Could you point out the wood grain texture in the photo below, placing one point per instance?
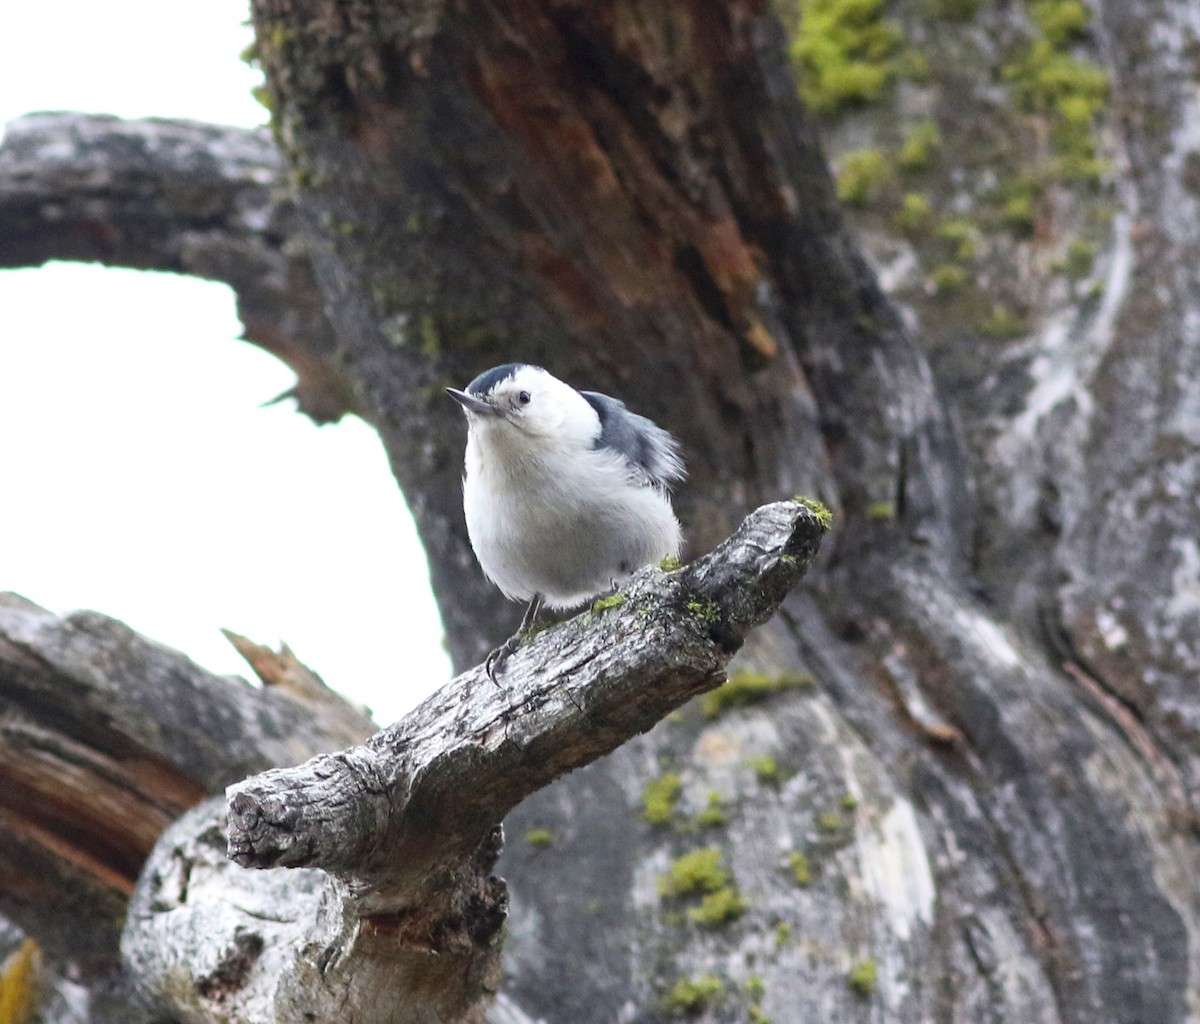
(409, 926)
(177, 196)
(105, 739)
(1003, 627)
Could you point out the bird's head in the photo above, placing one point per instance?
(523, 405)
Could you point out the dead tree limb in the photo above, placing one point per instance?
(105, 738)
(407, 825)
(176, 196)
(571, 696)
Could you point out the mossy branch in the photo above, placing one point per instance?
(421, 795)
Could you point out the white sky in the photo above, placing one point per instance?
(138, 474)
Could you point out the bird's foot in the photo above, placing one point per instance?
(499, 655)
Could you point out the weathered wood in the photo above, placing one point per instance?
(177, 196)
(408, 825)
(423, 793)
(105, 739)
(1004, 631)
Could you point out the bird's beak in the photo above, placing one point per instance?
(472, 404)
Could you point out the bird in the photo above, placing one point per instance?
(566, 493)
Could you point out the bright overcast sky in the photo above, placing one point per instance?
(138, 474)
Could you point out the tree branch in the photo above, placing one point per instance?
(177, 196)
(429, 788)
(105, 738)
(407, 824)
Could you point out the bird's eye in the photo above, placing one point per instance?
(523, 397)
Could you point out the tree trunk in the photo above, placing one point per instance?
(986, 809)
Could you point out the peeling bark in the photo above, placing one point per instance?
(409, 927)
(106, 739)
(1003, 627)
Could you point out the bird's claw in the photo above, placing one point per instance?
(499, 656)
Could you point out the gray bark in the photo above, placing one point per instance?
(108, 737)
(408, 927)
(176, 196)
(1004, 629)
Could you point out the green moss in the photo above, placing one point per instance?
(539, 837)
(851, 82)
(962, 235)
(250, 55)
(800, 869)
(274, 38)
(824, 516)
(881, 510)
(948, 278)
(765, 769)
(1059, 20)
(697, 872)
(1003, 324)
(690, 997)
(1018, 215)
(1080, 257)
(603, 604)
(669, 564)
(783, 934)
(1030, 187)
(922, 140)
(539, 625)
(391, 300)
(842, 52)
(262, 96)
(864, 977)
(659, 796)
(915, 213)
(754, 988)
(749, 687)
(718, 908)
(1080, 168)
(713, 814)
(1076, 110)
(756, 1014)
(913, 65)
(849, 802)
(860, 175)
(955, 10)
(830, 821)
(1048, 80)
(705, 610)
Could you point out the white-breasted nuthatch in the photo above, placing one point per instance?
(565, 491)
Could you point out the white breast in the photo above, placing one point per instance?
(565, 525)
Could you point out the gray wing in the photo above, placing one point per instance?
(652, 453)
